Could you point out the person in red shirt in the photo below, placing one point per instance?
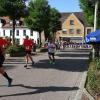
(2, 59)
(28, 44)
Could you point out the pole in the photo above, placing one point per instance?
(95, 24)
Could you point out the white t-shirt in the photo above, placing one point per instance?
(51, 47)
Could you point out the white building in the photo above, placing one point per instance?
(20, 30)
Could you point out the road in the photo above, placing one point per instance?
(45, 81)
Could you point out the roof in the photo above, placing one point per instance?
(79, 15)
(64, 16)
(7, 22)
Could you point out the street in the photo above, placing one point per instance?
(45, 81)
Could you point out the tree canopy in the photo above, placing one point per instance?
(88, 7)
(15, 9)
(55, 23)
(42, 17)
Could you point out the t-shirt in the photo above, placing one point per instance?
(51, 47)
(28, 44)
(3, 44)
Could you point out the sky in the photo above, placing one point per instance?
(65, 5)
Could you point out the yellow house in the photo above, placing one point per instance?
(74, 27)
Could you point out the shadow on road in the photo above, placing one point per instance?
(73, 65)
(40, 90)
(72, 55)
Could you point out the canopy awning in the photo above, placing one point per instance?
(93, 37)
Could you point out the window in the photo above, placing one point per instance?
(17, 32)
(78, 31)
(17, 41)
(31, 34)
(88, 31)
(3, 32)
(71, 22)
(24, 32)
(10, 32)
(64, 31)
(71, 31)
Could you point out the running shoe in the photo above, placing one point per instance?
(53, 62)
(9, 82)
(25, 66)
(33, 63)
(50, 62)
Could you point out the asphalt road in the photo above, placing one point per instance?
(45, 81)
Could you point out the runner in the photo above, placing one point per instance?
(28, 43)
(51, 51)
(3, 44)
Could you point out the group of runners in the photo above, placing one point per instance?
(28, 45)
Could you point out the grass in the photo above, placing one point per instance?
(93, 77)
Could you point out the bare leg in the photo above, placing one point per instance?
(53, 58)
(50, 59)
(31, 59)
(26, 59)
(6, 76)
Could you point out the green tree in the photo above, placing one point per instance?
(55, 23)
(15, 9)
(38, 18)
(88, 7)
(43, 18)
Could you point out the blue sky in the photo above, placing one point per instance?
(65, 5)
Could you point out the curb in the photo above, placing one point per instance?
(82, 90)
(81, 87)
(87, 94)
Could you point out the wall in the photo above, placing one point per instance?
(21, 37)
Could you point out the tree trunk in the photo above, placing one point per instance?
(13, 35)
(40, 43)
(96, 50)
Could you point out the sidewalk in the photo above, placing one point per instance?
(44, 81)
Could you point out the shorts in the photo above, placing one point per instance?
(51, 53)
(28, 52)
(2, 59)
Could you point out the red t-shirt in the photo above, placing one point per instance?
(28, 44)
(3, 44)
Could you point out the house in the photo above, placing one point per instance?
(21, 30)
(74, 27)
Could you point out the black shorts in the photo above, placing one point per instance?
(28, 52)
(2, 59)
(52, 54)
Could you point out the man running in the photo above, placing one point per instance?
(2, 58)
(51, 51)
(28, 43)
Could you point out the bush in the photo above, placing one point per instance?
(43, 50)
(15, 50)
(97, 61)
(93, 77)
